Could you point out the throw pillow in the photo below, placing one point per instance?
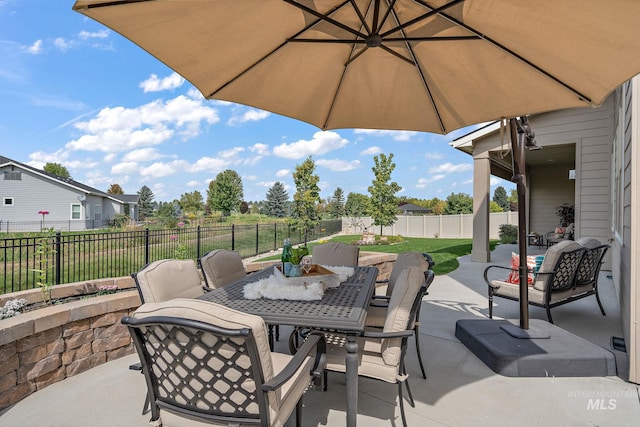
(514, 276)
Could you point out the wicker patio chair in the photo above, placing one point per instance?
(207, 363)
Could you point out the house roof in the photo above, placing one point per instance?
(410, 207)
(68, 182)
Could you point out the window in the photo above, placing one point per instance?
(7, 201)
(12, 175)
(97, 212)
(76, 209)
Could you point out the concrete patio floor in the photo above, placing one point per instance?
(460, 389)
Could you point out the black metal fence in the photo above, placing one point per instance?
(77, 257)
(36, 226)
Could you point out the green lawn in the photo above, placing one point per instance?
(445, 252)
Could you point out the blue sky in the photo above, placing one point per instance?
(76, 93)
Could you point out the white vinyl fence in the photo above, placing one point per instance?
(433, 226)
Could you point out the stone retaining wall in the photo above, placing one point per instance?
(43, 346)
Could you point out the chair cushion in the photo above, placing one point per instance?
(214, 314)
(550, 259)
(370, 361)
(336, 254)
(169, 278)
(511, 290)
(405, 259)
(221, 267)
(588, 242)
(399, 311)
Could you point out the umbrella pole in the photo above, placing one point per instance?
(517, 150)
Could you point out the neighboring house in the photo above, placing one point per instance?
(25, 191)
(411, 209)
(591, 158)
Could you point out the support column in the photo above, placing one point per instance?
(481, 197)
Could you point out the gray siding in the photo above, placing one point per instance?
(32, 194)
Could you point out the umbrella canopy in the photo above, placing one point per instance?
(425, 65)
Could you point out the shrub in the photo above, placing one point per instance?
(508, 233)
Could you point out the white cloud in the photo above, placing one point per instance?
(248, 116)
(193, 184)
(397, 135)
(433, 156)
(283, 172)
(450, 167)
(250, 177)
(123, 129)
(142, 155)
(160, 169)
(259, 148)
(125, 168)
(86, 35)
(421, 183)
(209, 164)
(322, 143)
(338, 165)
(154, 84)
(493, 181)
(35, 48)
(371, 151)
(61, 44)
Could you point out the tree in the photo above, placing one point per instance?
(336, 205)
(225, 192)
(244, 207)
(495, 207)
(437, 206)
(500, 197)
(357, 205)
(169, 212)
(513, 200)
(306, 197)
(145, 202)
(115, 189)
(57, 169)
(459, 203)
(383, 204)
(277, 203)
(192, 203)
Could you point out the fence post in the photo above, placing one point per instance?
(275, 235)
(233, 237)
(198, 248)
(257, 238)
(58, 263)
(146, 246)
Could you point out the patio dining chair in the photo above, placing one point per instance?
(205, 363)
(335, 254)
(221, 267)
(381, 354)
(378, 310)
(164, 280)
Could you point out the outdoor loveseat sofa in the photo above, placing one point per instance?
(569, 272)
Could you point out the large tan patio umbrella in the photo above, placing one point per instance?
(423, 65)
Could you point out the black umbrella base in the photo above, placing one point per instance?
(544, 350)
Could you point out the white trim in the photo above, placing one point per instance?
(466, 141)
(79, 212)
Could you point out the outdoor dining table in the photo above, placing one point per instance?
(342, 309)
